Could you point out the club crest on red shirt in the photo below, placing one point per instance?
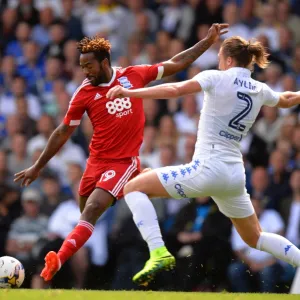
(125, 82)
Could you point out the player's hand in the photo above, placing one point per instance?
(117, 92)
(27, 176)
(216, 30)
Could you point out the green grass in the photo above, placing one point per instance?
(107, 295)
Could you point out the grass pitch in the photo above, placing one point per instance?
(110, 295)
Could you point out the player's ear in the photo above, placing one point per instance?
(105, 63)
(229, 61)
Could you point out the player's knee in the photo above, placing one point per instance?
(130, 187)
(94, 207)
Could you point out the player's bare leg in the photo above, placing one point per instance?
(250, 231)
(96, 205)
(82, 202)
(137, 193)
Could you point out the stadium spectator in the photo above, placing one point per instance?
(12, 126)
(108, 19)
(260, 184)
(18, 90)
(27, 124)
(187, 118)
(279, 179)
(177, 19)
(7, 74)
(136, 9)
(268, 127)
(26, 231)
(32, 68)
(52, 193)
(264, 267)
(71, 57)
(57, 41)
(53, 72)
(45, 127)
(7, 28)
(40, 32)
(231, 15)
(9, 208)
(5, 175)
(209, 59)
(15, 48)
(27, 12)
(72, 23)
(18, 158)
(287, 18)
(267, 26)
(200, 239)
(293, 203)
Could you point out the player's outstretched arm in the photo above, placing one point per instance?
(163, 91)
(289, 99)
(57, 139)
(184, 59)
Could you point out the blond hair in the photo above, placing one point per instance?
(246, 53)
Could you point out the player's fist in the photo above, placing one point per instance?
(27, 176)
(216, 30)
(117, 92)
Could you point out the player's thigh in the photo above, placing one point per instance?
(148, 183)
(248, 228)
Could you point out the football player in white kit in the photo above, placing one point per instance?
(232, 101)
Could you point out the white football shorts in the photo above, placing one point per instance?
(223, 181)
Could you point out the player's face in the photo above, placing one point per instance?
(92, 68)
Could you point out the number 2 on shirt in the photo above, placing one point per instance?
(235, 122)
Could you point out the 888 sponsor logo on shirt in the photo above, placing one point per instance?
(119, 107)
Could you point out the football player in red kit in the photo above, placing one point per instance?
(118, 133)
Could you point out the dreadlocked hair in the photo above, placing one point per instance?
(97, 45)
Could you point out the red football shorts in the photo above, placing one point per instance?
(109, 175)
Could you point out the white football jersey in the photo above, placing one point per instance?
(232, 101)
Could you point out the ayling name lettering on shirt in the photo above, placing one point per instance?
(244, 83)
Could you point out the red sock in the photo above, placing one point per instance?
(75, 240)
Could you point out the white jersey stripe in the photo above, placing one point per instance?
(125, 177)
(125, 180)
(74, 122)
(160, 72)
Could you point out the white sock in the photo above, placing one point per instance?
(280, 247)
(145, 218)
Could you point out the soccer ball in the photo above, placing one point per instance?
(12, 272)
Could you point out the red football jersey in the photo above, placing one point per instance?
(119, 123)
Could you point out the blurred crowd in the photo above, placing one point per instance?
(40, 71)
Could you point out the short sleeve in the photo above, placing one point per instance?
(76, 109)
(270, 98)
(150, 72)
(208, 79)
